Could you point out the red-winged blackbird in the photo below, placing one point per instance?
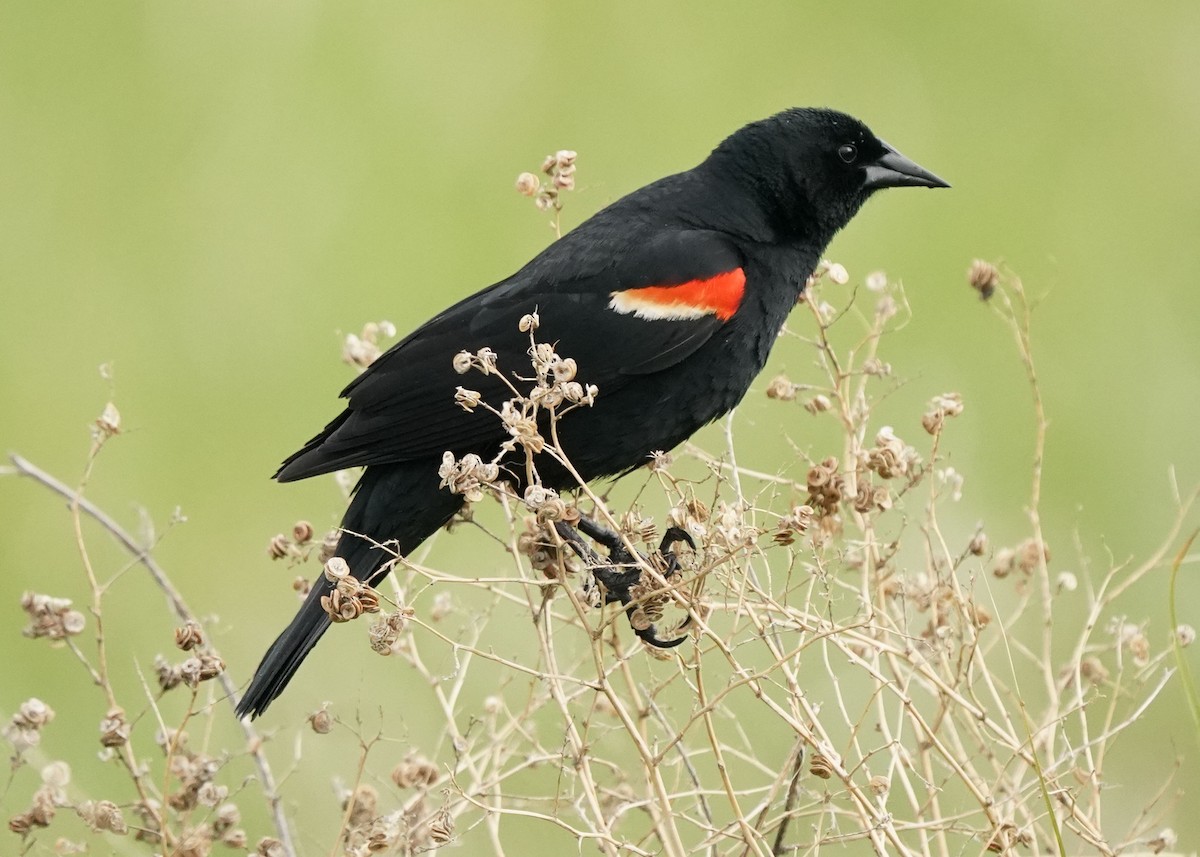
(668, 300)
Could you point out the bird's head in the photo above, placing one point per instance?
(812, 169)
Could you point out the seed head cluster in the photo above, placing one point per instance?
(47, 800)
(525, 416)
(24, 728)
(350, 597)
(983, 277)
(559, 170)
(51, 617)
(363, 349)
(203, 664)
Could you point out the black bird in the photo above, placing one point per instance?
(669, 301)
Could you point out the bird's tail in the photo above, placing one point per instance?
(397, 503)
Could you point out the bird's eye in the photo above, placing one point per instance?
(848, 153)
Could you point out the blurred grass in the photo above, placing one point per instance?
(205, 194)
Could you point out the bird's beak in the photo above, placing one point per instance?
(892, 169)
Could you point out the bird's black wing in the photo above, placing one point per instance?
(637, 312)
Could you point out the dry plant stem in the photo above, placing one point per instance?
(793, 794)
(752, 837)
(724, 466)
(660, 810)
(581, 835)
(448, 702)
(1020, 320)
(877, 824)
(364, 750)
(912, 699)
(852, 409)
(172, 739)
(607, 842)
(79, 504)
(580, 756)
(961, 763)
(693, 774)
(100, 673)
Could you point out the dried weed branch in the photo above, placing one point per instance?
(860, 671)
(114, 729)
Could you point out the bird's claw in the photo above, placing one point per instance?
(620, 570)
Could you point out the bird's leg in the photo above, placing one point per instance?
(620, 572)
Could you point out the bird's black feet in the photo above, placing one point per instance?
(620, 574)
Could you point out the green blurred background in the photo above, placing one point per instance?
(205, 195)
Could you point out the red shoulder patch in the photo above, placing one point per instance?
(720, 295)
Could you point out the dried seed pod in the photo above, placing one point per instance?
(169, 675)
(109, 421)
(697, 509)
(226, 817)
(820, 766)
(818, 477)
(1166, 838)
(528, 184)
(328, 545)
(279, 546)
(564, 370)
(781, 388)
(983, 278)
(817, 404)
(1092, 670)
(1030, 554)
(189, 636)
(268, 846)
(102, 815)
(321, 720)
(384, 633)
(443, 606)
(415, 771)
(468, 400)
(1139, 647)
(235, 838)
(114, 729)
(362, 803)
(189, 671)
(211, 666)
(1004, 562)
(73, 623)
(442, 829)
(876, 367)
(336, 569)
(210, 794)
